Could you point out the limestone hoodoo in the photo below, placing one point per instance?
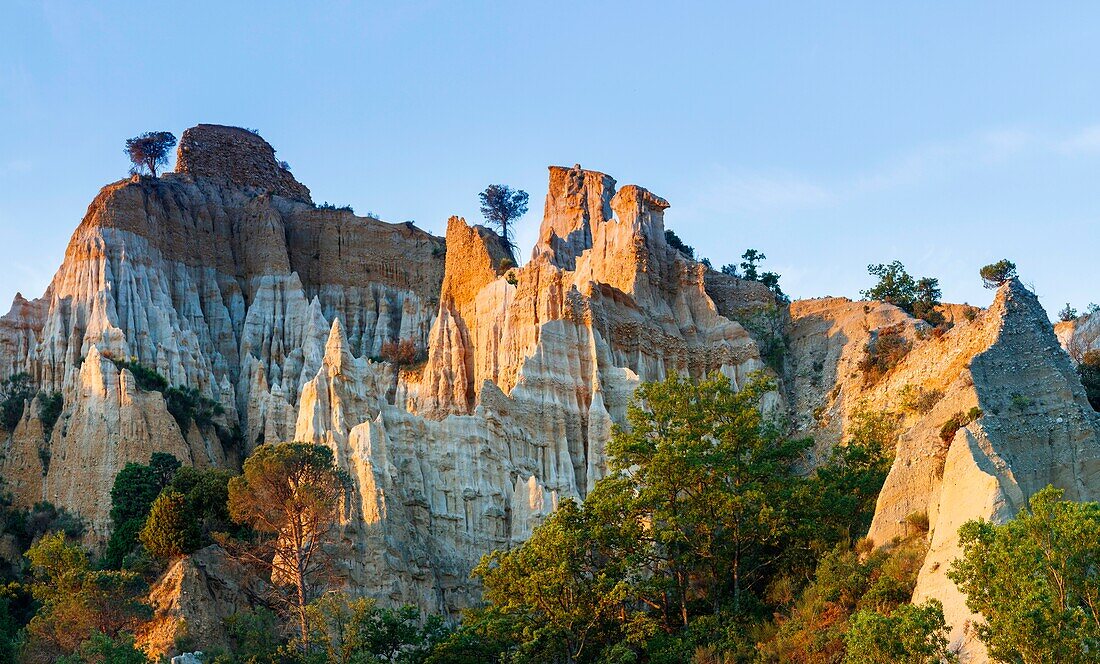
(225, 278)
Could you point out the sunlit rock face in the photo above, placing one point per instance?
(1036, 427)
(223, 277)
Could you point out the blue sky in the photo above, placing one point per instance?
(828, 135)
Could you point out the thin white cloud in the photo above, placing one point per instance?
(770, 193)
(1084, 141)
(16, 166)
(758, 193)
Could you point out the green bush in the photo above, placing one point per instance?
(888, 348)
(918, 400)
(995, 274)
(911, 634)
(673, 240)
(187, 404)
(1089, 371)
(49, 409)
(170, 530)
(15, 391)
(147, 378)
(958, 421)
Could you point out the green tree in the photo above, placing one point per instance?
(1089, 370)
(355, 631)
(709, 479)
(136, 487)
(749, 261)
(1036, 581)
(995, 274)
(501, 205)
(15, 391)
(911, 634)
(895, 285)
(928, 296)
(75, 601)
(149, 151)
(103, 649)
(206, 493)
(290, 495)
(563, 593)
(170, 530)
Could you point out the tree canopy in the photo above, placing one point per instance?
(703, 510)
(995, 274)
(149, 151)
(290, 495)
(1036, 581)
(501, 205)
(895, 285)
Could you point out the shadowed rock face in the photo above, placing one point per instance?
(223, 277)
(237, 155)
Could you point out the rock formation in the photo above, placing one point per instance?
(224, 277)
(1033, 426)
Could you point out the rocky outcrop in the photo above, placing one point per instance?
(223, 277)
(239, 156)
(191, 601)
(1032, 425)
(227, 289)
(1079, 336)
(527, 370)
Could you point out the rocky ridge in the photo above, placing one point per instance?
(224, 277)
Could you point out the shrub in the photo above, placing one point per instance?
(918, 520)
(918, 400)
(1089, 370)
(1067, 314)
(186, 404)
(42, 519)
(169, 531)
(343, 208)
(958, 421)
(910, 634)
(400, 353)
(147, 378)
(15, 391)
(765, 326)
(673, 240)
(995, 274)
(49, 409)
(883, 352)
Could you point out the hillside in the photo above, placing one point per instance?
(226, 278)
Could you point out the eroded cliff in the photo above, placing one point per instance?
(224, 277)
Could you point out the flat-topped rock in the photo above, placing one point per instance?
(238, 155)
